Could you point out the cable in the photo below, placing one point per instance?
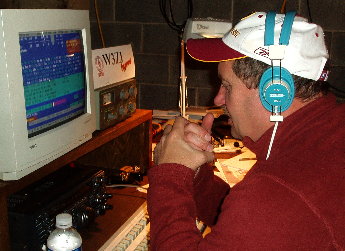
(309, 12)
(99, 23)
(275, 117)
(125, 185)
(129, 195)
(168, 14)
(283, 8)
(272, 139)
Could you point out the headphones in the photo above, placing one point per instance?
(276, 85)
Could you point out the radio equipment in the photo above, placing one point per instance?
(115, 103)
(114, 83)
(78, 190)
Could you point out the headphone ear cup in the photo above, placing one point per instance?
(276, 88)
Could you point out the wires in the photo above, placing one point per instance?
(309, 12)
(167, 12)
(139, 188)
(126, 185)
(283, 8)
(99, 23)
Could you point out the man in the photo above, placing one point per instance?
(294, 196)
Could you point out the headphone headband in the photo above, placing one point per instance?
(286, 28)
(269, 28)
(276, 85)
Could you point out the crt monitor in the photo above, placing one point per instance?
(46, 102)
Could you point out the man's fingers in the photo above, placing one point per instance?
(179, 125)
(198, 142)
(198, 131)
(197, 136)
(167, 129)
(174, 148)
(207, 122)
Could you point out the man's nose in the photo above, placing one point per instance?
(219, 100)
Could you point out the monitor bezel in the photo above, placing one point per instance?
(28, 154)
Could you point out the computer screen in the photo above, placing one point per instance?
(46, 87)
(53, 78)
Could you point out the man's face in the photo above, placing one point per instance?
(242, 104)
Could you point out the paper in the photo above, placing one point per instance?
(112, 65)
(233, 170)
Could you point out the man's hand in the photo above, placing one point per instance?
(199, 137)
(174, 149)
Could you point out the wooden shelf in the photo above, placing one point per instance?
(99, 138)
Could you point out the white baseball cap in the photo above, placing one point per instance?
(305, 54)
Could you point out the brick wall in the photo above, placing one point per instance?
(156, 45)
(157, 49)
(44, 4)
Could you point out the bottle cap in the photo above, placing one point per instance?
(64, 220)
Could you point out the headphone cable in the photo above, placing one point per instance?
(276, 117)
(272, 139)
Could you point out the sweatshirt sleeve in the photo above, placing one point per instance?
(209, 193)
(254, 215)
(182, 196)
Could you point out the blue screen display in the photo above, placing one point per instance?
(53, 73)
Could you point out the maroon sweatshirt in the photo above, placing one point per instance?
(295, 200)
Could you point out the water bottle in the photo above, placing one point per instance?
(64, 237)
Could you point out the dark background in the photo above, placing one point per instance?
(157, 49)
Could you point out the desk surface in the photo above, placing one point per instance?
(99, 139)
(125, 202)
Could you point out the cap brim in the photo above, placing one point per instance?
(211, 50)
